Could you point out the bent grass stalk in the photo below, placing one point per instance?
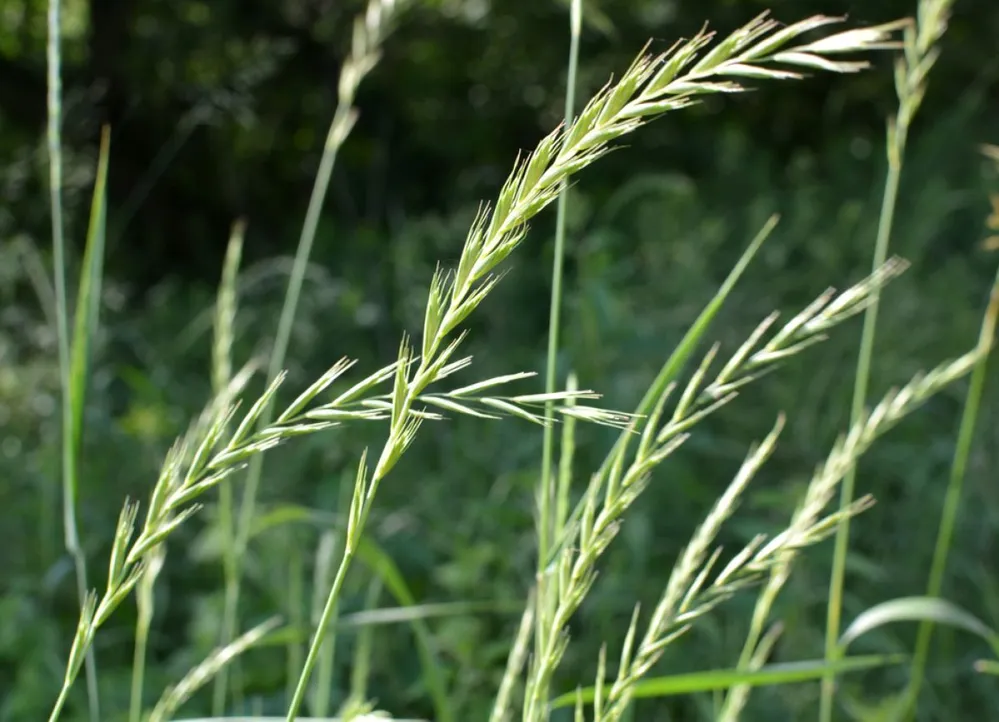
(911, 70)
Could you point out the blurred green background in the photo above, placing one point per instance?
(219, 110)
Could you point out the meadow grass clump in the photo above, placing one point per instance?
(417, 389)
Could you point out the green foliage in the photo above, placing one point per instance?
(447, 535)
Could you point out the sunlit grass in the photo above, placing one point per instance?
(417, 391)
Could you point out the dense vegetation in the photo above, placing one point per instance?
(218, 112)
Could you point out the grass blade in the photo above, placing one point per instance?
(85, 324)
(547, 521)
(918, 609)
(677, 360)
(692, 339)
(721, 679)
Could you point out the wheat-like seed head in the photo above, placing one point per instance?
(688, 594)
(618, 484)
(652, 86)
(370, 32)
(209, 453)
(920, 53)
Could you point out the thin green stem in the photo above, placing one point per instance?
(329, 611)
(546, 522)
(144, 599)
(294, 651)
(225, 321)
(231, 575)
(325, 554)
(288, 312)
(361, 503)
(952, 500)
(59, 703)
(555, 304)
(910, 84)
(369, 31)
(337, 134)
(69, 424)
(860, 389)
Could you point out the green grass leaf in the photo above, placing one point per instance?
(919, 609)
(671, 370)
(721, 679)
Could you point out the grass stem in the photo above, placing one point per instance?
(911, 70)
(952, 499)
(547, 524)
(365, 50)
(858, 405)
(70, 424)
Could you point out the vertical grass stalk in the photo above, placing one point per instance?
(72, 374)
(145, 607)
(910, 84)
(547, 523)
(294, 650)
(369, 32)
(858, 403)
(325, 559)
(952, 499)
(225, 321)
